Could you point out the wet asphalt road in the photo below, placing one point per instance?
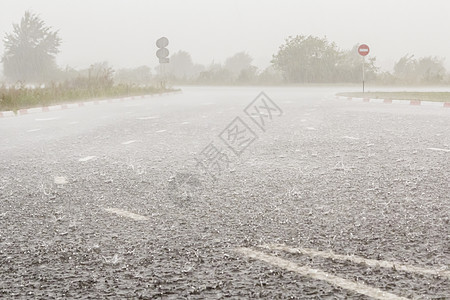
(109, 201)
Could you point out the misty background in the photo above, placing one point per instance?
(123, 33)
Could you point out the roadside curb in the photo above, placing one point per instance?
(64, 106)
(396, 101)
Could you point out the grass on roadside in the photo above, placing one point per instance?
(424, 96)
(22, 97)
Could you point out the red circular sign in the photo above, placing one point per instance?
(363, 50)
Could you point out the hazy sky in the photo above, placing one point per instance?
(123, 32)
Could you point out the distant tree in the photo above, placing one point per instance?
(97, 77)
(101, 75)
(431, 69)
(423, 70)
(238, 62)
(181, 68)
(248, 75)
(197, 69)
(30, 50)
(307, 59)
(386, 78)
(139, 75)
(405, 69)
(215, 74)
(270, 75)
(241, 69)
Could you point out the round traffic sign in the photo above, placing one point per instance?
(363, 50)
(162, 53)
(162, 42)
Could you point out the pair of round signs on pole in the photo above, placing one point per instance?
(162, 53)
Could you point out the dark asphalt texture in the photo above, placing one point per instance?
(353, 178)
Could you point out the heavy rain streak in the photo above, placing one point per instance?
(224, 149)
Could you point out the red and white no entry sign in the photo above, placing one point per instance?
(363, 50)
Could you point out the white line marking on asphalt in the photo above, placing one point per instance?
(361, 260)
(399, 101)
(86, 158)
(73, 123)
(431, 103)
(60, 180)
(185, 123)
(124, 213)
(35, 110)
(147, 118)
(47, 119)
(439, 149)
(320, 275)
(350, 137)
(159, 131)
(128, 142)
(310, 128)
(33, 130)
(258, 116)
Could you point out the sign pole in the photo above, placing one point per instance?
(363, 50)
(161, 74)
(364, 63)
(163, 71)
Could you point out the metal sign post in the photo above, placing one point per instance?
(364, 72)
(363, 50)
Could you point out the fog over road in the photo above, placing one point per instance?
(109, 200)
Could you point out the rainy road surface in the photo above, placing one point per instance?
(187, 196)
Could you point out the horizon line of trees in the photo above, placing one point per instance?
(31, 48)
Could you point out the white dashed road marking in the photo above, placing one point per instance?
(310, 128)
(47, 119)
(73, 123)
(60, 180)
(159, 131)
(147, 118)
(361, 260)
(319, 275)
(33, 130)
(86, 158)
(127, 214)
(439, 149)
(350, 137)
(128, 142)
(185, 123)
